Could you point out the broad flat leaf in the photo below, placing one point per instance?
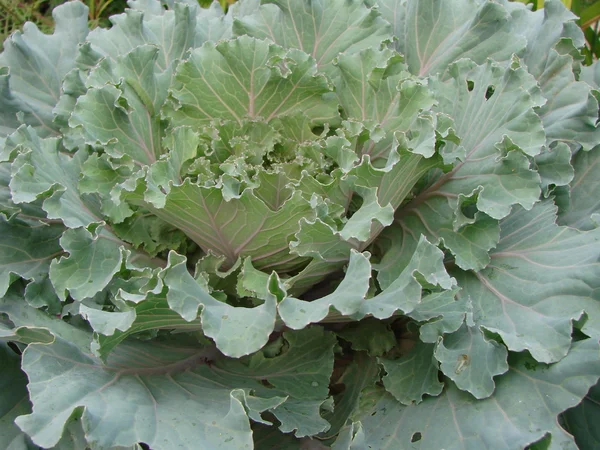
(584, 199)
(541, 278)
(237, 331)
(471, 360)
(248, 78)
(149, 392)
(321, 28)
(26, 251)
(437, 33)
(581, 421)
(523, 408)
(242, 226)
(37, 64)
(413, 375)
(496, 123)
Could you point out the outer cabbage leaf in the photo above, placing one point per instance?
(412, 376)
(349, 298)
(323, 29)
(136, 397)
(523, 409)
(26, 251)
(237, 331)
(433, 34)
(495, 120)
(541, 278)
(552, 36)
(32, 68)
(583, 203)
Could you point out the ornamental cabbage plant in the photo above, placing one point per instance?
(345, 224)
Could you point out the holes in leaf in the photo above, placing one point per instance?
(489, 92)
(470, 85)
(416, 437)
(266, 384)
(15, 348)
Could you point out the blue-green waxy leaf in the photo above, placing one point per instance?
(523, 409)
(26, 251)
(124, 120)
(412, 376)
(294, 224)
(249, 78)
(346, 299)
(583, 207)
(471, 360)
(32, 68)
(553, 39)
(541, 278)
(237, 331)
(433, 34)
(90, 266)
(497, 124)
(323, 29)
(167, 396)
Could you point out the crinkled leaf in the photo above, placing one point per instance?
(346, 299)
(490, 163)
(552, 35)
(172, 30)
(554, 166)
(124, 120)
(42, 168)
(523, 408)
